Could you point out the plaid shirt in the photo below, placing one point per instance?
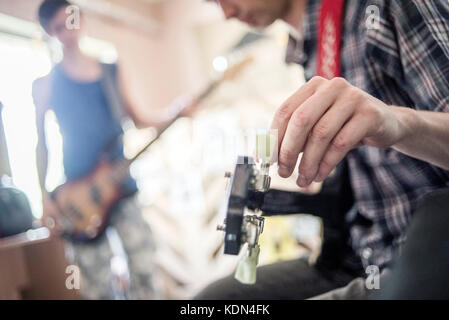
(404, 62)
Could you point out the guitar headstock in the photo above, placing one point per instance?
(248, 184)
(247, 181)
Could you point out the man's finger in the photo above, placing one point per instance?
(348, 138)
(301, 123)
(284, 113)
(321, 135)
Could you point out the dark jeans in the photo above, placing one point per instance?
(422, 269)
(294, 279)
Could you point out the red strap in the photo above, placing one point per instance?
(329, 38)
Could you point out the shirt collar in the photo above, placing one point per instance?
(296, 52)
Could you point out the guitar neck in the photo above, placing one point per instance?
(229, 74)
(200, 97)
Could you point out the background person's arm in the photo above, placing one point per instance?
(40, 96)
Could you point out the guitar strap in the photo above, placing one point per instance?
(330, 38)
(112, 92)
(335, 252)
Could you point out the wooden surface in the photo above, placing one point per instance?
(32, 266)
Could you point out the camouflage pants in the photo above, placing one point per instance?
(123, 254)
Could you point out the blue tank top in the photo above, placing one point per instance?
(88, 127)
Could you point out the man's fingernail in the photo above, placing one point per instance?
(302, 181)
(283, 171)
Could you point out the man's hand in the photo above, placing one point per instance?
(51, 217)
(324, 120)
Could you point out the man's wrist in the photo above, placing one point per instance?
(410, 127)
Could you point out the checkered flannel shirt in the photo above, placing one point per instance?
(404, 61)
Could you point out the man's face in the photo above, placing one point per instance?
(256, 13)
(58, 28)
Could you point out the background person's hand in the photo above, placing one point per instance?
(324, 120)
(185, 106)
(190, 109)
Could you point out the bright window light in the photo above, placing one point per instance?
(22, 62)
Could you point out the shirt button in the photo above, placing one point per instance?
(366, 253)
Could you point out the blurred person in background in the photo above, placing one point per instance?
(91, 129)
(382, 106)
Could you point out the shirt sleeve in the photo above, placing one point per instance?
(422, 37)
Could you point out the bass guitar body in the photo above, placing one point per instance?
(85, 204)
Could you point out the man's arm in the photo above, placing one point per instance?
(428, 137)
(325, 119)
(422, 31)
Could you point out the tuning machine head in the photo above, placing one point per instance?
(240, 227)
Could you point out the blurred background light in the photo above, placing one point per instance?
(220, 64)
